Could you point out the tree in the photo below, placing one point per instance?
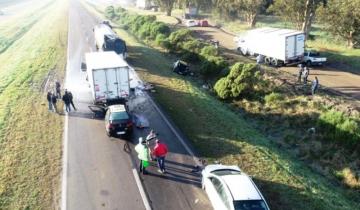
(248, 9)
(166, 5)
(342, 18)
(299, 12)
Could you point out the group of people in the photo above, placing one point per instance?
(53, 97)
(304, 72)
(145, 153)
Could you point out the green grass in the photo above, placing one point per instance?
(30, 136)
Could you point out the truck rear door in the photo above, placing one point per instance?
(100, 88)
(122, 75)
(290, 47)
(112, 84)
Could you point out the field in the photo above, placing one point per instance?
(32, 47)
(233, 139)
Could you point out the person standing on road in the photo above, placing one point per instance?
(305, 75)
(314, 86)
(58, 89)
(301, 69)
(49, 99)
(66, 100)
(71, 99)
(160, 151)
(53, 102)
(143, 154)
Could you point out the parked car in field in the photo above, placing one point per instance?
(313, 58)
(191, 23)
(118, 121)
(181, 68)
(229, 188)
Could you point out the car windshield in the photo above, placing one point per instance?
(119, 116)
(250, 205)
(223, 172)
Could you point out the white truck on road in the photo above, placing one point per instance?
(108, 75)
(276, 46)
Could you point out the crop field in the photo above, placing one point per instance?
(32, 47)
(283, 179)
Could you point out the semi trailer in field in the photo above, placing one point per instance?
(108, 76)
(107, 40)
(276, 46)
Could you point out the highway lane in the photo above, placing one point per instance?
(99, 171)
(99, 174)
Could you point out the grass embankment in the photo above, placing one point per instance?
(30, 136)
(221, 134)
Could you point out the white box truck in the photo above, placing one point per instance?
(108, 75)
(277, 46)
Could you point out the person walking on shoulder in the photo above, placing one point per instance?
(49, 99)
(58, 89)
(305, 75)
(160, 151)
(66, 100)
(143, 154)
(53, 102)
(301, 69)
(71, 99)
(314, 86)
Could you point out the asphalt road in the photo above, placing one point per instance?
(99, 173)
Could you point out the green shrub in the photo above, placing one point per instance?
(190, 57)
(273, 98)
(176, 38)
(336, 126)
(212, 66)
(159, 28)
(110, 12)
(209, 51)
(239, 82)
(192, 45)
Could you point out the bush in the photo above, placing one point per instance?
(212, 66)
(110, 12)
(190, 57)
(336, 126)
(192, 45)
(209, 51)
(178, 37)
(239, 82)
(159, 28)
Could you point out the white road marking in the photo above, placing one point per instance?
(141, 189)
(65, 137)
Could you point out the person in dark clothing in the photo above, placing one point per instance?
(48, 97)
(66, 100)
(71, 99)
(53, 101)
(58, 89)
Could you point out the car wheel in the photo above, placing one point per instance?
(108, 134)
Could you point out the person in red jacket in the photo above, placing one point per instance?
(160, 151)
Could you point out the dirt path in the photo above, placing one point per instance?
(341, 81)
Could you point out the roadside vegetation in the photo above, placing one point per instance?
(30, 136)
(289, 141)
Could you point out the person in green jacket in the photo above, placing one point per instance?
(143, 154)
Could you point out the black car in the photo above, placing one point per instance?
(118, 121)
(181, 68)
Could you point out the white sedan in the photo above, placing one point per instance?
(228, 188)
(191, 23)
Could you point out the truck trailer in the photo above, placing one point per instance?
(275, 45)
(108, 76)
(107, 40)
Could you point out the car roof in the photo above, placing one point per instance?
(214, 167)
(237, 183)
(117, 108)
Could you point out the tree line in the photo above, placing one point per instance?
(339, 17)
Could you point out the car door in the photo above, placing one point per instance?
(215, 190)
